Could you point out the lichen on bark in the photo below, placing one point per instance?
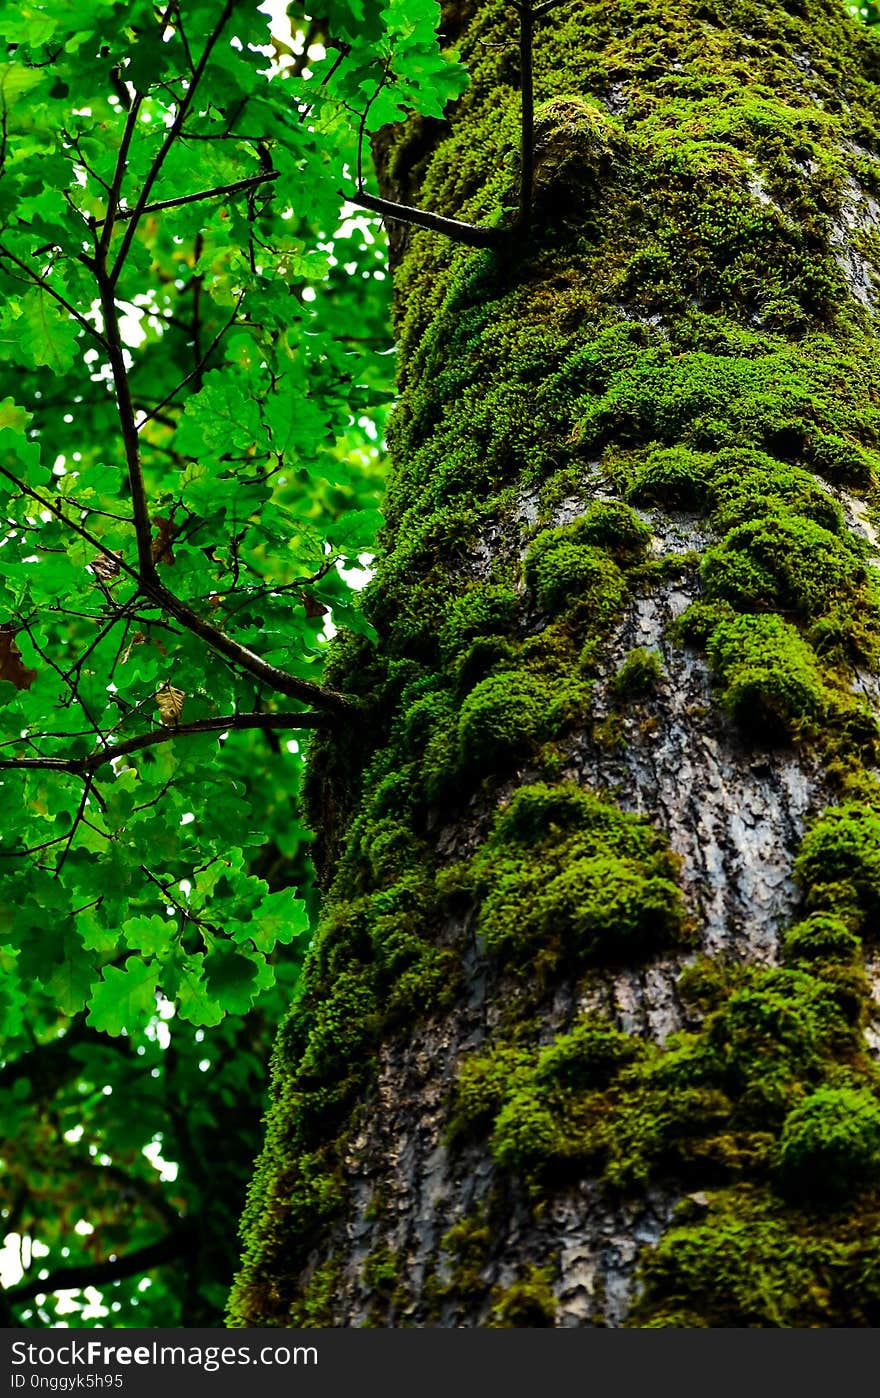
(583, 1034)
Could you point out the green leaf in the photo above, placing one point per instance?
(149, 935)
(43, 332)
(232, 979)
(124, 1000)
(280, 918)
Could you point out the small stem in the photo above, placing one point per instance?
(56, 296)
(170, 137)
(239, 187)
(116, 355)
(469, 233)
(237, 723)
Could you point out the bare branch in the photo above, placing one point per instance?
(86, 766)
(468, 233)
(239, 187)
(171, 1246)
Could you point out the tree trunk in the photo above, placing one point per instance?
(586, 1033)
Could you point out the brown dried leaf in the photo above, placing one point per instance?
(137, 640)
(11, 667)
(106, 565)
(313, 607)
(166, 533)
(170, 704)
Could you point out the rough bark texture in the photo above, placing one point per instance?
(586, 1035)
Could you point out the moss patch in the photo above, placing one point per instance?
(566, 879)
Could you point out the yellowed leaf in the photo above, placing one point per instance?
(170, 704)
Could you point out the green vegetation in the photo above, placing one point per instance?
(188, 475)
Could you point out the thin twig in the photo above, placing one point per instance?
(237, 723)
(194, 373)
(119, 173)
(116, 354)
(471, 234)
(239, 187)
(87, 786)
(263, 670)
(170, 137)
(56, 296)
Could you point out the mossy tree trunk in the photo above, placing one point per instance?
(587, 1033)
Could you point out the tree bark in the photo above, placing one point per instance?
(586, 1035)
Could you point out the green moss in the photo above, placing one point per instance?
(465, 1250)
(315, 1309)
(480, 613)
(843, 461)
(482, 1086)
(770, 680)
(575, 143)
(612, 525)
(639, 675)
(587, 1057)
(830, 1143)
(382, 1279)
(597, 886)
(343, 1025)
(564, 570)
(821, 937)
(674, 477)
(787, 563)
(747, 483)
(528, 1303)
(839, 860)
(711, 1104)
(801, 569)
(507, 715)
(740, 1261)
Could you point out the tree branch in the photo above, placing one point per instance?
(44, 285)
(86, 766)
(115, 193)
(239, 187)
(468, 233)
(170, 137)
(116, 355)
(280, 680)
(173, 1245)
(263, 670)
